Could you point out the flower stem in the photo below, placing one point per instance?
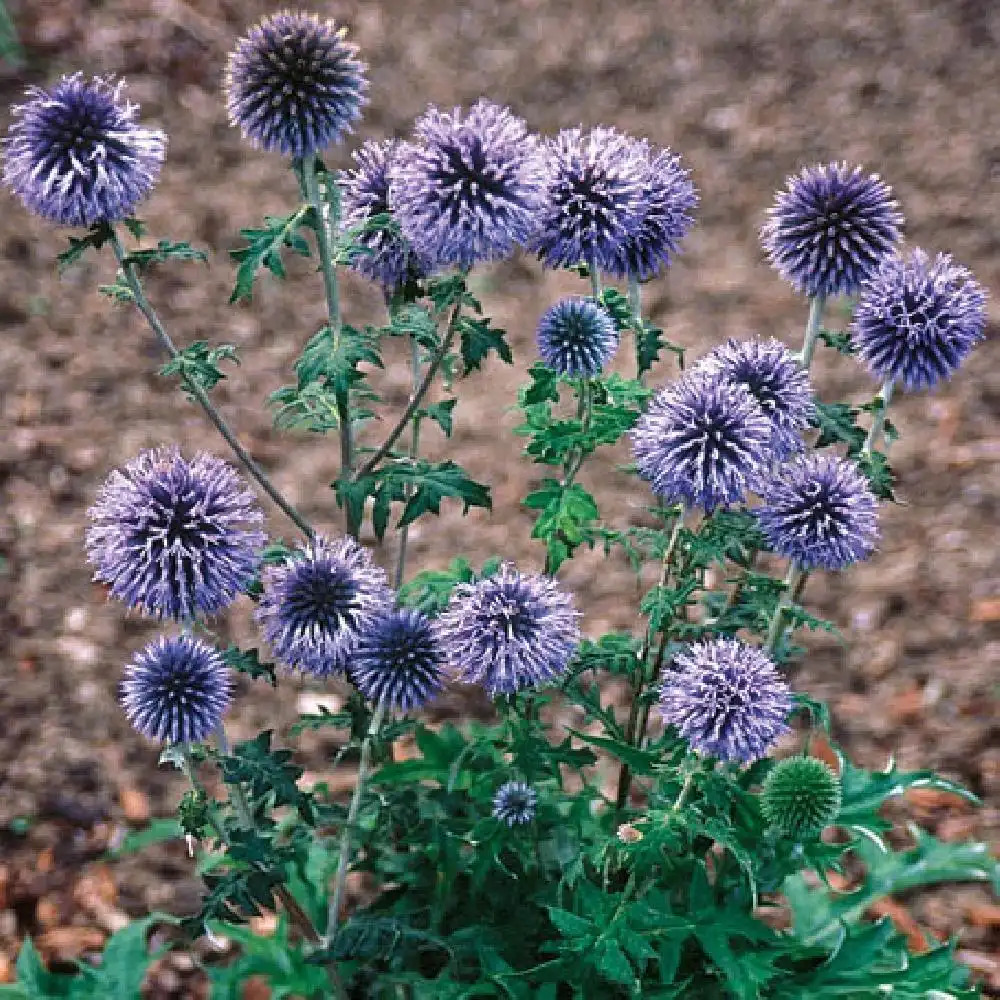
(198, 391)
(595, 281)
(635, 307)
(404, 532)
(884, 398)
(792, 581)
(816, 304)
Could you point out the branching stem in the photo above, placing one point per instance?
(816, 304)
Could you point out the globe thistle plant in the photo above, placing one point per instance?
(702, 441)
(76, 155)
(801, 796)
(317, 604)
(830, 227)
(175, 538)
(726, 699)
(293, 84)
(918, 319)
(515, 803)
(509, 631)
(577, 338)
(819, 511)
(176, 690)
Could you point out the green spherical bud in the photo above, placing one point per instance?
(801, 796)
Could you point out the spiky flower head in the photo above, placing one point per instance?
(918, 319)
(293, 85)
(175, 538)
(670, 198)
(701, 442)
(76, 155)
(819, 511)
(801, 797)
(576, 337)
(176, 690)
(509, 631)
(776, 380)
(318, 603)
(514, 803)
(398, 660)
(830, 227)
(470, 186)
(595, 190)
(726, 699)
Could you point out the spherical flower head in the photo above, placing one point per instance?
(830, 227)
(595, 197)
(398, 661)
(176, 690)
(726, 699)
(819, 512)
(801, 797)
(576, 337)
(509, 631)
(175, 538)
(918, 319)
(514, 803)
(316, 605)
(294, 85)
(470, 187)
(75, 154)
(778, 383)
(670, 198)
(701, 442)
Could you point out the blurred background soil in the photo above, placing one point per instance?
(747, 92)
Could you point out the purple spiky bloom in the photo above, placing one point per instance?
(176, 690)
(398, 660)
(776, 380)
(820, 512)
(726, 699)
(293, 85)
(830, 227)
(595, 191)
(576, 337)
(514, 803)
(175, 538)
(670, 198)
(918, 319)
(509, 631)
(382, 254)
(318, 603)
(703, 441)
(469, 188)
(76, 155)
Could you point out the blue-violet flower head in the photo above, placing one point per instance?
(514, 803)
(576, 337)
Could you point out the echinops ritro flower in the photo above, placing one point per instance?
(514, 803)
(576, 337)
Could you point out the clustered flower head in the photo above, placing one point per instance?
(801, 796)
(819, 511)
(726, 699)
(509, 631)
(576, 337)
(514, 803)
(317, 604)
(175, 538)
(918, 319)
(294, 85)
(176, 689)
(76, 155)
(830, 227)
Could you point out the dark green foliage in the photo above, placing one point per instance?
(268, 774)
(839, 340)
(198, 363)
(837, 424)
(265, 247)
(164, 250)
(98, 234)
(247, 661)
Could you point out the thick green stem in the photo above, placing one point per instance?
(792, 582)
(816, 304)
(404, 532)
(878, 417)
(595, 281)
(635, 307)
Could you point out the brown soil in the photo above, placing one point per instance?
(746, 93)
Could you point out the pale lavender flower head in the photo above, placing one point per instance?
(398, 660)
(509, 631)
(830, 227)
(293, 85)
(76, 155)
(595, 197)
(820, 512)
(318, 603)
(176, 690)
(776, 380)
(175, 538)
(726, 699)
(576, 337)
(469, 188)
(703, 441)
(918, 319)
(514, 803)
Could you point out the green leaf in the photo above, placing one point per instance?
(159, 831)
(247, 661)
(96, 237)
(264, 249)
(423, 485)
(837, 424)
(839, 340)
(879, 474)
(611, 963)
(569, 924)
(639, 761)
(164, 251)
(566, 514)
(431, 589)
(478, 338)
(199, 363)
(441, 414)
(266, 771)
(126, 959)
